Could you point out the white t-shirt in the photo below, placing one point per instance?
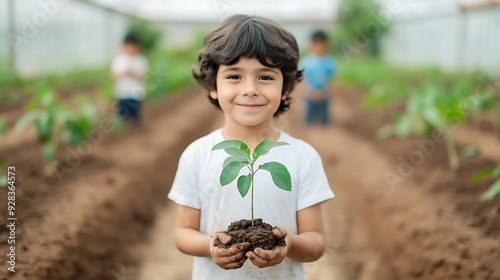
(126, 86)
(196, 185)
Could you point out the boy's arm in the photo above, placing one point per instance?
(191, 241)
(188, 238)
(139, 71)
(309, 244)
(306, 246)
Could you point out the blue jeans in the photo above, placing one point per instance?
(129, 108)
(317, 110)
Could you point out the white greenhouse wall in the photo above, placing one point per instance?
(60, 35)
(464, 41)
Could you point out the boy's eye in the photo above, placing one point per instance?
(233, 77)
(267, 78)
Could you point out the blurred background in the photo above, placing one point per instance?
(412, 152)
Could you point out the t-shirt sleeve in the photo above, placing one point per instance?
(314, 187)
(184, 189)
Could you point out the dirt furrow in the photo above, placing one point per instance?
(111, 201)
(388, 233)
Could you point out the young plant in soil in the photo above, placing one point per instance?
(57, 123)
(258, 233)
(494, 189)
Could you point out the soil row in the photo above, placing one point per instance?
(81, 222)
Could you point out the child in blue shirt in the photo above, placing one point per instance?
(319, 70)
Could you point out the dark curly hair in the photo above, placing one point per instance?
(251, 37)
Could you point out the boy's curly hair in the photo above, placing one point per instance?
(251, 37)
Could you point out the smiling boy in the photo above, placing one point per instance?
(249, 68)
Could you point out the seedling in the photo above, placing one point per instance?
(240, 157)
(57, 123)
(3, 177)
(494, 189)
(3, 125)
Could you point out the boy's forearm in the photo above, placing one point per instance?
(192, 242)
(306, 247)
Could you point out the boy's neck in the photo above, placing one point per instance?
(251, 135)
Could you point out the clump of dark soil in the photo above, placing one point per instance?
(259, 236)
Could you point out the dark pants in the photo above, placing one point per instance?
(129, 109)
(317, 110)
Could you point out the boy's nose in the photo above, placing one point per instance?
(250, 89)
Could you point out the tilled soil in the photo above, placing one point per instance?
(106, 215)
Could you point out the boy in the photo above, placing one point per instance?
(128, 69)
(249, 67)
(319, 69)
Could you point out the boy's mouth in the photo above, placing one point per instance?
(251, 105)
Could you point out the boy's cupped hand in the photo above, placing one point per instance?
(264, 258)
(230, 258)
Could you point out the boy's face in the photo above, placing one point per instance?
(248, 92)
(319, 47)
(131, 49)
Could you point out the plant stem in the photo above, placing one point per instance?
(251, 186)
(451, 148)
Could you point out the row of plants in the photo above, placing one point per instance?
(432, 100)
(59, 120)
(16, 89)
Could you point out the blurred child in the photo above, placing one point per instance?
(319, 70)
(249, 68)
(128, 70)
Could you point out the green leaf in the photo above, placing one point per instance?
(25, 120)
(481, 174)
(492, 191)
(402, 126)
(47, 97)
(44, 127)
(279, 174)
(496, 171)
(76, 130)
(31, 105)
(230, 144)
(263, 148)
(471, 151)
(241, 155)
(49, 151)
(230, 172)
(244, 182)
(432, 116)
(3, 181)
(3, 125)
(231, 159)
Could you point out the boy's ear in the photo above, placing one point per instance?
(284, 95)
(213, 94)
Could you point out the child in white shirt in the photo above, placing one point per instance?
(128, 70)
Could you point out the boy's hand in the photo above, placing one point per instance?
(231, 258)
(264, 258)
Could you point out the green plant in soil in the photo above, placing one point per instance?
(494, 189)
(240, 157)
(3, 177)
(57, 123)
(3, 125)
(432, 107)
(254, 231)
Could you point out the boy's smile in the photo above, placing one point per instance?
(249, 93)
